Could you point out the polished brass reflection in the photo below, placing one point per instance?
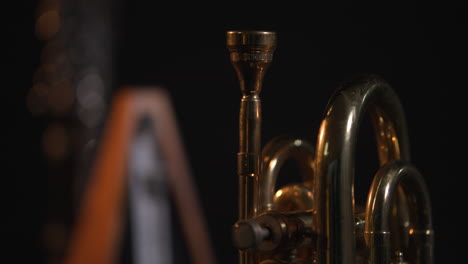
(317, 220)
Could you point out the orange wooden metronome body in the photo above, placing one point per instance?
(98, 230)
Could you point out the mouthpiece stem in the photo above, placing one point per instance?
(251, 53)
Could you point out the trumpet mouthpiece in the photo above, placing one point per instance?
(251, 53)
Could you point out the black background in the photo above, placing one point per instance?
(182, 48)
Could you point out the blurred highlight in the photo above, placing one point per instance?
(89, 144)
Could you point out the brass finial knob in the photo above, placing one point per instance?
(248, 234)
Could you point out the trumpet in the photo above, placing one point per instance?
(317, 220)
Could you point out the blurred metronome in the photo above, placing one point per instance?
(140, 205)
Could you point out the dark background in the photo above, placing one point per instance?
(183, 49)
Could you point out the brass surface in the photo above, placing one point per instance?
(316, 221)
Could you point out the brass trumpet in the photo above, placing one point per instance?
(317, 221)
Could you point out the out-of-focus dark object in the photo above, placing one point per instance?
(71, 90)
(317, 220)
(120, 189)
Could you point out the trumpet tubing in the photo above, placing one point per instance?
(315, 221)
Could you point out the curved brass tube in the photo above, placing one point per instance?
(378, 212)
(274, 154)
(335, 159)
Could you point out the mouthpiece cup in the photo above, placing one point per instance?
(251, 46)
(259, 39)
